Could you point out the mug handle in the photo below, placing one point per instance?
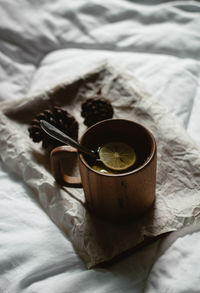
(56, 157)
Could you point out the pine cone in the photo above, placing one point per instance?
(60, 119)
(96, 109)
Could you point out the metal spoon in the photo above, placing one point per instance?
(61, 136)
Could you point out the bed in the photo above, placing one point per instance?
(44, 43)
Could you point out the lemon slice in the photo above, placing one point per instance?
(101, 169)
(117, 155)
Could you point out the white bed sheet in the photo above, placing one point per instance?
(41, 44)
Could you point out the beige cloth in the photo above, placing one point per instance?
(178, 174)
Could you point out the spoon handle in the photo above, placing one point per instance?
(61, 136)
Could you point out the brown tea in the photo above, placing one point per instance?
(99, 166)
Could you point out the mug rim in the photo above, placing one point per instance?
(137, 170)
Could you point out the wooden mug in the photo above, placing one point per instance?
(114, 197)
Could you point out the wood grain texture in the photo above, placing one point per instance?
(113, 197)
(123, 196)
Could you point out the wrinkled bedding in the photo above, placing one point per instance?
(43, 43)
